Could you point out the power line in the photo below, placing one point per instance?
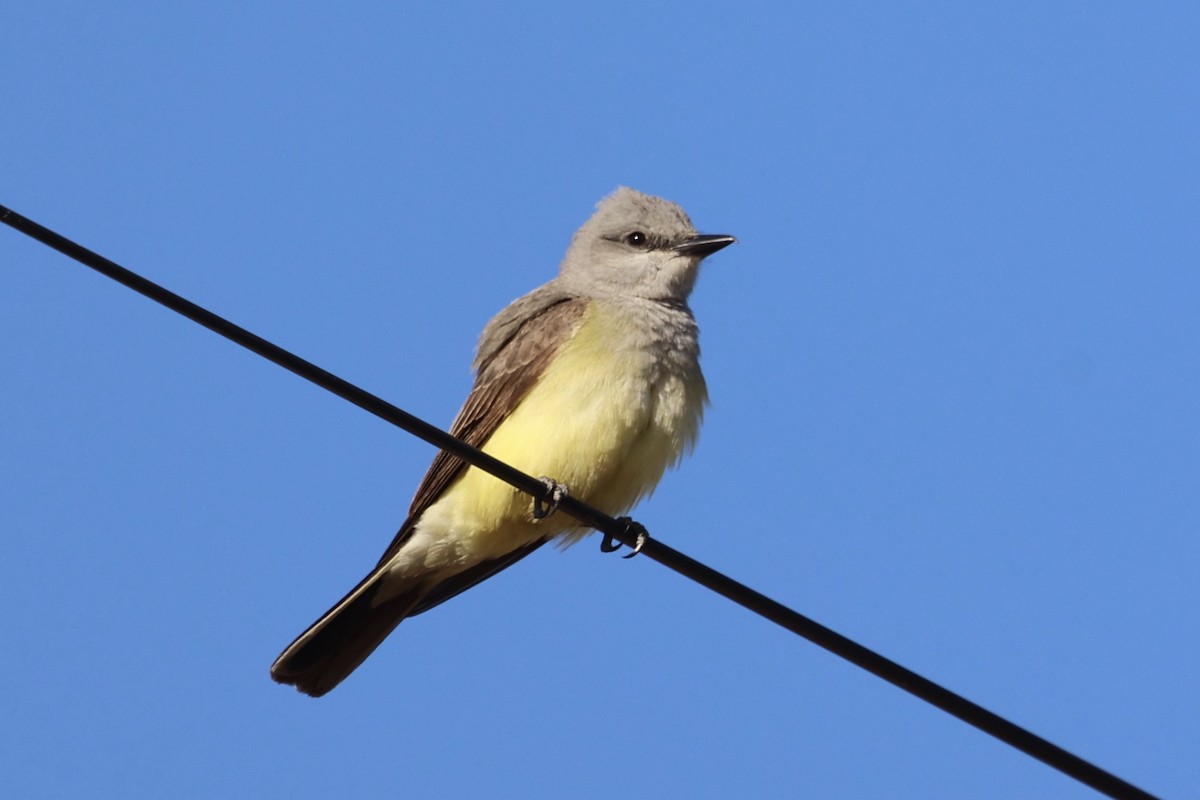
(623, 530)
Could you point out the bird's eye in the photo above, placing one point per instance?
(636, 239)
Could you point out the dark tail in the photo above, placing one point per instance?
(345, 635)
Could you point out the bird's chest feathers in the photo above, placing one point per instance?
(635, 373)
(620, 403)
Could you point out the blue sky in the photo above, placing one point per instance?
(954, 362)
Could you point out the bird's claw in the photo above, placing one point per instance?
(611, 545)
(555, 491)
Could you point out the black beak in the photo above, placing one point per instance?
(704, 244)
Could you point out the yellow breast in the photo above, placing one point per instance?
(609, 415)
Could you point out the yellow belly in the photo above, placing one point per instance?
(607, 418)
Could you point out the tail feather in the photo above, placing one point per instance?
(333, 646)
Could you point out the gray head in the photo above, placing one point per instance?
(636, 245)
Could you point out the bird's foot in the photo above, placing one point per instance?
(555, 492)
(632, 527)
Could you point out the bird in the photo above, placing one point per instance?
(591, 380)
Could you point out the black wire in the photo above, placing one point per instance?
(620, 529)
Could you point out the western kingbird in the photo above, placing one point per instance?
(592, 380)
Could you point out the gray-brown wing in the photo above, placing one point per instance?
(506, 371)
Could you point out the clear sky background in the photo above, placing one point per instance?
(954, 362)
